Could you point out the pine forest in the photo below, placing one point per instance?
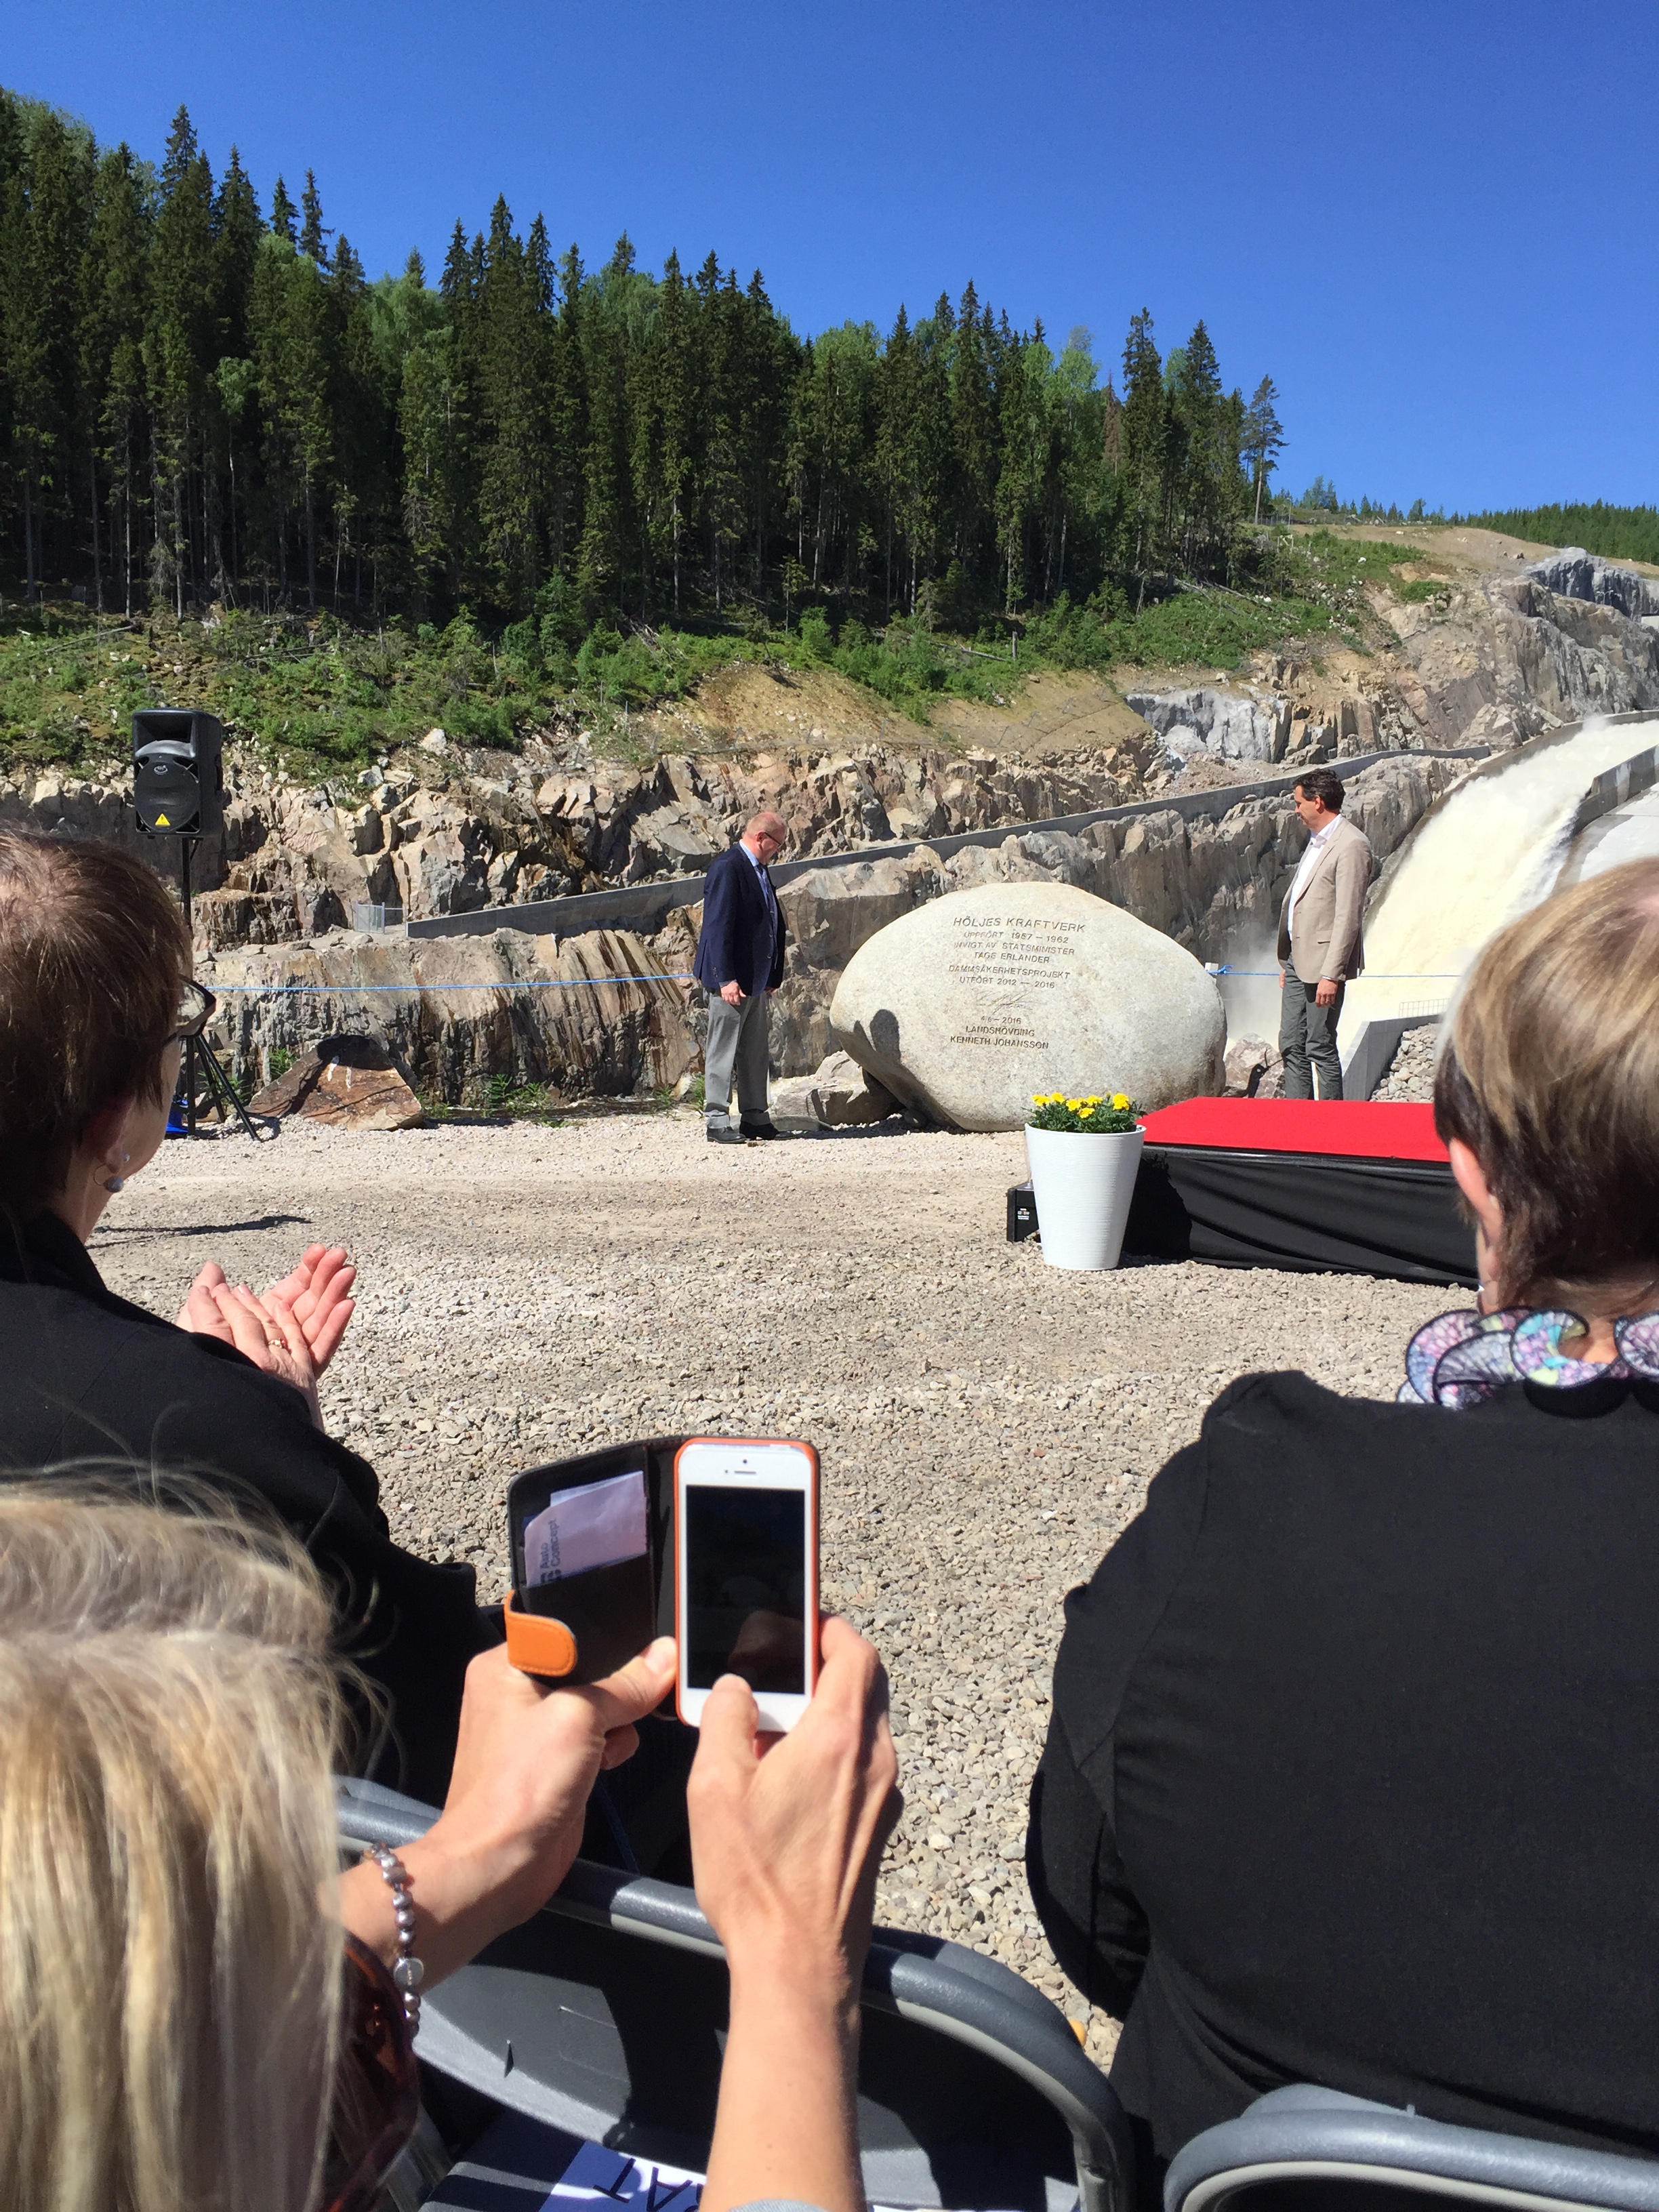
(202, 401)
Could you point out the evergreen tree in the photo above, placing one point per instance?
(177, 349)
(113, 277)
(1262, 438)
(526, 439)
(312, 233)
(513, 470)
(1200, 492)
(672, 399)
(973, 426)
(1143, 444)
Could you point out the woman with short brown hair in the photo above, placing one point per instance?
(95, 999)
(93, 958)
(1547, 1097)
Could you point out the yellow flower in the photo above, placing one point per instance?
(1087, 1113)
(1120, 1100)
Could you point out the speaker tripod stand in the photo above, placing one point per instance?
(200, 1075)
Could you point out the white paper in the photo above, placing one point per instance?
(594, 1525)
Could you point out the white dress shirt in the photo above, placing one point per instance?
(1317, 845)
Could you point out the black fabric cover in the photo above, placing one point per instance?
(1301, 1210)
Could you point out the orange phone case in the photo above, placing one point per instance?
(537, 1643)
(794, 1443)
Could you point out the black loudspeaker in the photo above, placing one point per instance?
(178, 782)
(1022, 1214)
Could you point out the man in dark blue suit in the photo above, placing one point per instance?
(739, 960)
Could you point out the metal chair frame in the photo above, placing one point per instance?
(1306, 2133)
(481, 2026)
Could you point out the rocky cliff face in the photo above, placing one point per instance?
(1513, 659)
(440, 832)
(1217, 722)
(1572, 574)
(448, 834)
(1211, 884)
(573, 1015)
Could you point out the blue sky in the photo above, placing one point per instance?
(1432, 221)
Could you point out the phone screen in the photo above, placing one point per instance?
(745, 1587)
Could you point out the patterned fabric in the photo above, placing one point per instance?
(1463, 1357)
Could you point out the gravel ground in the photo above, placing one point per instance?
(986, 1424)
(1408, 1078)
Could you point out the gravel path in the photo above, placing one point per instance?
(986, 1424)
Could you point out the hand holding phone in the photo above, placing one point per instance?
(786, 1839)
(746, 1574)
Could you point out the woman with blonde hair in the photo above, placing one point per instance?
(199, 2013)
(1353, 1773)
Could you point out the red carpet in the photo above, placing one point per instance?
(1338, 1128)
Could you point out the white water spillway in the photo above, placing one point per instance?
(1493, 847)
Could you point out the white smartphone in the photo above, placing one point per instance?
(746, 1573)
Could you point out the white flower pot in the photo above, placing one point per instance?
(1083, 1186)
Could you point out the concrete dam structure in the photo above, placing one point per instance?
(1521, 825)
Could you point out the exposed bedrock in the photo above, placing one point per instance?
(1516, 658)
(1213, 885)
(293, 861)
(1217, 722)
(1572, 574)
(585, 1029)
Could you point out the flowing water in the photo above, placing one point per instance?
(1495, 848)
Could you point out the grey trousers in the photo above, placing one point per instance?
(1307, 1037)
(737, 1044)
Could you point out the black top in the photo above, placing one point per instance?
(84, 1376)
(743, 934)
(1353, 1770)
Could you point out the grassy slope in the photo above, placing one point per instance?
(321, 698)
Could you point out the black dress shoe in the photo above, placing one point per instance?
(728, 1135)
(761, 1129)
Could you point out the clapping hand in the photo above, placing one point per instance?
(265, 1330)
(293, 1331)
(317, 1295)
(319, 1292)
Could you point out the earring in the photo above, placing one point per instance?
(112, 1183)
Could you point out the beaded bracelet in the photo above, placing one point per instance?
(407, 1971)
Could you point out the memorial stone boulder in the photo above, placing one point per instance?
(966, 1007)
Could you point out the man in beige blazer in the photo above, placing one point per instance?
(1320, 940)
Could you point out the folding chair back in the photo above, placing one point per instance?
(605, 2016)
(1306, 2149)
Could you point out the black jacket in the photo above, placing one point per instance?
(1352, 1776)
(84, 1376)
(739, 941)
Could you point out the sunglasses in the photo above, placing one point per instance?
(196, 1010)
(377, 2088)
